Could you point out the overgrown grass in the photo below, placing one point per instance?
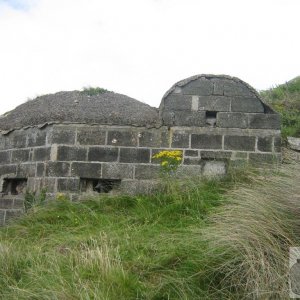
(93, 91)
(208, 239)
(285, 99)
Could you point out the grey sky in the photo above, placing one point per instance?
(141, 47)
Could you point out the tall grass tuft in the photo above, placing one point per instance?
(250, 236)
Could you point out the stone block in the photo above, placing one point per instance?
(214, 103)
(192, 161)
(71, 153)
(91, 136)
(177, 102)
(218, 86)
(265, 144)
(6, 203)
(17, 139)
(2, 217)
(57, 169)
(49, 184)
(239, 156)
(232, 88)
(117, 171)
(41, 154)
(36, 138)
(40, 169)
(180, 140)
(153, 138)
(215, 155)
(4, 157)
(214, 168)
(191, 153)
(104, 154)
(20, 155)
(194, 118)
(18, 203)
(137, 187)
(122, 138)
(251, 105)
(206, 141)
(86, 170)
(2, 142)
(26, 170)
(134, 155)
(189, 171)
(68, 185)
(264, 121)
(8, 170)
(277, 144)
(62, 135)
(31, 184)
(264, 158)
(12, 214)
(184, 118)
(147, 172)
(232, 120)
(244, 143)
(200, 86)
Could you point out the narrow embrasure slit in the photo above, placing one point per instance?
(98, 185)
(14, 186)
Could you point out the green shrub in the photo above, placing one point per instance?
(93, 91)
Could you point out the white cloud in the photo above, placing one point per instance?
(140, 48)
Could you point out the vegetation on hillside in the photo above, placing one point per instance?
(202, 239)
(285, 99)
(93, 91)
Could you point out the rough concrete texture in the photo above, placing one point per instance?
(76, 107)
(75, 144)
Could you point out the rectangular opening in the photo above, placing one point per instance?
(98, 185)
(211, 118)
(14, 186)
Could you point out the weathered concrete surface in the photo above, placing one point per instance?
(76, 107)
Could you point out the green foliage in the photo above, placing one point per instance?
(285, 99)
(196, 239)
(32, 199)
(142, 247)
(93, 91)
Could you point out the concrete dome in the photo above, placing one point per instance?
(107, 108)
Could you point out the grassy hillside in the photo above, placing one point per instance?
(201, 239)
(285, 99)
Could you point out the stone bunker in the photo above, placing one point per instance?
(73, 143)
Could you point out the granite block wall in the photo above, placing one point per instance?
(213, 120)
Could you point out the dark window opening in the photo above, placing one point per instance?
(98, 185)
(211, 118)
(13, 186)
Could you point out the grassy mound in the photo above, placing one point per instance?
(208, 239)
(285, 99)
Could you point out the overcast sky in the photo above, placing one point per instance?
(142, 47)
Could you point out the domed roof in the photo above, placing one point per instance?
(105, 108)
(216, 92)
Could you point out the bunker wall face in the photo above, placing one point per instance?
(60, 157)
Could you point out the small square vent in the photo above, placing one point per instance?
(211, 118)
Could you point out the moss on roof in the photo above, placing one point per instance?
(105, 108)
